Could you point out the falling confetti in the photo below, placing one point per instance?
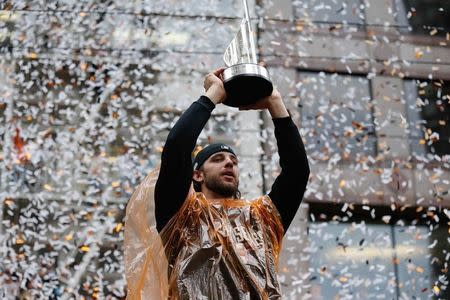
(89, 91)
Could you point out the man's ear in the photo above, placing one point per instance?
(198, 176)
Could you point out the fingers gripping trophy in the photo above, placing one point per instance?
(244, 80)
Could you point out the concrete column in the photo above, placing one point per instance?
(390, 117)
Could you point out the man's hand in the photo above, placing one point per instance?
(273, 103)
(214, 88)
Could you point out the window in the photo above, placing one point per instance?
(336, 114)
(394, 257)
(351, 11)
(427, 17)
(428, 107)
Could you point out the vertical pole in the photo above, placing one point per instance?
(253, 57)
(247, 15)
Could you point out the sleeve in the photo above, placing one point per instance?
(175, 176)
(290, 185)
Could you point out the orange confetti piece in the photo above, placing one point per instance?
(84, 248)
(9, 202)
(343, 279)
(48, 187)
(420, 270)
(69, 237)
(18, 141)
(115, 184)
(418, 54)
(118, 227)
(32, 55)
(357, 125)
(436, 289)
(83, 66)
(299, 26)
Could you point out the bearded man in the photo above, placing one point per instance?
(217, 245)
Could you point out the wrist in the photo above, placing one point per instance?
(215, 95)
(277, 109)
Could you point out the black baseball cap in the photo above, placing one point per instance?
(209, 150)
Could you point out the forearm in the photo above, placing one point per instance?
(175, 174)
(289, 187)
(277, 109)
(290, 145)
(185, 132)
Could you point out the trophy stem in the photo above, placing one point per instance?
(253, 58)
(247, 15)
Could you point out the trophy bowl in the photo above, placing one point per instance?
(245, 84)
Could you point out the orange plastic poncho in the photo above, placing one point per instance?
(226, 249)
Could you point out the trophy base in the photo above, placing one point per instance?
(246, 84)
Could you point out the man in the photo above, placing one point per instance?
(217, 245)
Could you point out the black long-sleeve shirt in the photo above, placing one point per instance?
(175, 175)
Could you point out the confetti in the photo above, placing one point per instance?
(89, 92)
(85, 248)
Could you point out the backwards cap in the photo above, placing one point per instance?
(209, 150)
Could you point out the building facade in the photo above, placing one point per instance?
(89, 91)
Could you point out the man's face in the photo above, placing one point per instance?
(220, 174)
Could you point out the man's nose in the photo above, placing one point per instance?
(228, 161)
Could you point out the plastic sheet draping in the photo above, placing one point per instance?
(224, 249)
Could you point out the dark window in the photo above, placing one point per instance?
(429, 114)
(430, 17)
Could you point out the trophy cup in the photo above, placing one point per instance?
(244, 80)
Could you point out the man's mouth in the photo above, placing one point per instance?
(228, 174)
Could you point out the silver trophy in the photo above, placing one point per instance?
(245, 81)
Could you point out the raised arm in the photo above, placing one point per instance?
(290, 185)
(175, 176)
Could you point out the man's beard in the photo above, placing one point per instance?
(226, 189)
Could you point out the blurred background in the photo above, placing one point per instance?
(90, 89)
